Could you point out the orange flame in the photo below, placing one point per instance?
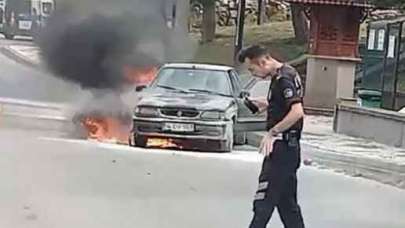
(106, 129)
(110, 129)
(162, 143)
(140, 76)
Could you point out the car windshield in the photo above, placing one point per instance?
(194, 80)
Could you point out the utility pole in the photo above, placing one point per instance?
(240, 25)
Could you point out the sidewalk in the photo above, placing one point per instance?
(25, 54)
(355, 156)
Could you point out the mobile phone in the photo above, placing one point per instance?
(251, 106)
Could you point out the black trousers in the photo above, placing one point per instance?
(278, 188)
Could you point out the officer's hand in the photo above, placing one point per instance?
(260, 102)
(266, 147)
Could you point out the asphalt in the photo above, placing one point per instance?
(51, 182)
(24, 82)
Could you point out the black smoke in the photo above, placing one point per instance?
(88, 42)
(91, 50)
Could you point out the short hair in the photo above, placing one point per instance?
(252, 52)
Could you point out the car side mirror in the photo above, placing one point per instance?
(244, 94)
(140, 88)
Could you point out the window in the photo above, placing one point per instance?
(195, 79)
(235, 83)
(260, 88)
(47, 8)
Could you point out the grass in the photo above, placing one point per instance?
(277, 36)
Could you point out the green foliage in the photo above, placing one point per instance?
(204, 2)
(389, 3)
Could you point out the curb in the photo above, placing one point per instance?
(18, 58)
(319, 111)
(374, 169)
(32, 122)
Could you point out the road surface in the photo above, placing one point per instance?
(23, 82)
(49, 182)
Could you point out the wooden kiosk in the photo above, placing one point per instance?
(333, 49)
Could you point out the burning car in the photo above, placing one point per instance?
(196, 106)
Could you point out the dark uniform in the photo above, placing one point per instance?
(278, 177)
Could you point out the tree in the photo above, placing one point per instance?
(209, 20)
(300, 23)
(261, 13)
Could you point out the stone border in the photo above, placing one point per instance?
(8, 52)
(382, 126)
(374, 169)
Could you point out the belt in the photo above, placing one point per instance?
(286, 136)
(292, 134)
(279, 137)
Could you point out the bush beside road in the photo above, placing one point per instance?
(277, 36)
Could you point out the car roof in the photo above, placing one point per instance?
(198, 66)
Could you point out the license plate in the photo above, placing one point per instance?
(24, 25)
(178, 127)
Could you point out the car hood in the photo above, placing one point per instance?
(199, 101)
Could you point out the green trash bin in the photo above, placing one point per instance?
(370, 98)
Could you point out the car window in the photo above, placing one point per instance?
(259, 88)
(197, 79)
(47, 8)
(245, 76)
(235, 83)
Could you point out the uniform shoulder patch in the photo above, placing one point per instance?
(288, 93)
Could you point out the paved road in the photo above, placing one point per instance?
(19, 81)
(61, 183)
(50, 182)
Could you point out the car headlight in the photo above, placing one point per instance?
(212, 115)
(146, 111)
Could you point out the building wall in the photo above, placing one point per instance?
(328, 79)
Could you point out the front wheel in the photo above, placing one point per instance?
(141, 141)
(137, 141)
(239, 138)
(9, 36)
(228, 147)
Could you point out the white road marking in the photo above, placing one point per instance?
(245, 156)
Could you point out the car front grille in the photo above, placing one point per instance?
(181, 113)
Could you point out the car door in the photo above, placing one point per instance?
(242, 110)
(247, 121)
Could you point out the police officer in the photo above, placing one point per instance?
(280, 146)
